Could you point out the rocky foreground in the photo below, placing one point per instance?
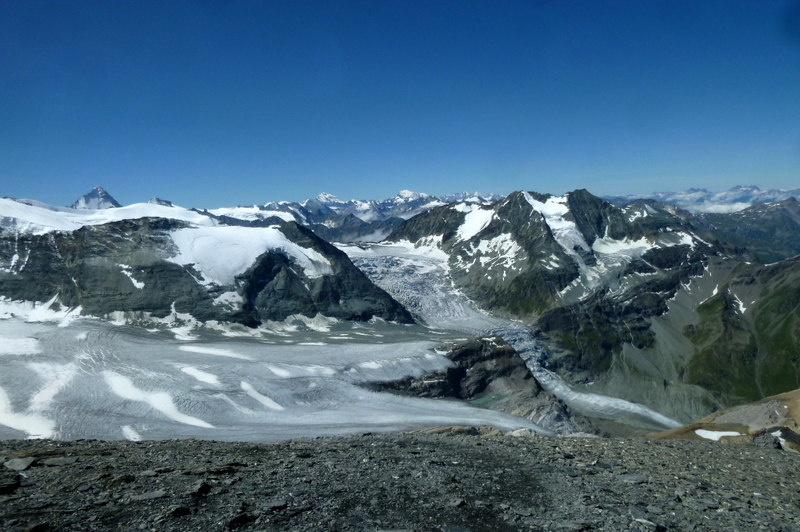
(459, 480)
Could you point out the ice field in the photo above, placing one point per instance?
(93, 379)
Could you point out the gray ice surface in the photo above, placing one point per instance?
(92, 379)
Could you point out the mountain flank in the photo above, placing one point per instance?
(154, 270)
(633, 302)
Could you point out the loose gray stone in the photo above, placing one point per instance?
(633, 479)
(19, 464)
(200, 489)
(60, 461)
(158, 494)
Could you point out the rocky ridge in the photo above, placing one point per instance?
(488, 372)
(771, 231)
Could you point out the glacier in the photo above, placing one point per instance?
(88, 378)
(418, 277)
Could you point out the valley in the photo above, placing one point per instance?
(152, 321)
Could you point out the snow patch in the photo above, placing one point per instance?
(34, 425)
(160, 401)
(475, 221)
(213, 351)
(263, 399)
(627, 246)
(57, 376)
(229, 299)
(130, 433)
(127, 271)
(200, 375)
(19, 346)
(715, 434)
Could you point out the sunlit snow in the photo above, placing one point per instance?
(715, 434)
(221, 253)
(476, 219)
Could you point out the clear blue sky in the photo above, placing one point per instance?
(224, 102)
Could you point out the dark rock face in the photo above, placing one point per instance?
(490, 373)
(482, 366)
(273, 289)
(82, 268)
(124, 267)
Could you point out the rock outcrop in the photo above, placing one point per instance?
(488, 372)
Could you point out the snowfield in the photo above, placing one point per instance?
(38, 218)
(221, 253)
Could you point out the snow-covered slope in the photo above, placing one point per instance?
(348, 221)
(29, 217)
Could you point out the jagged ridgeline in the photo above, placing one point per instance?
(634, 300)
(153, 268)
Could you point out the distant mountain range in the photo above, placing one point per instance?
(700, 200)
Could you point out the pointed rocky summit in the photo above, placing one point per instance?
(97, 198)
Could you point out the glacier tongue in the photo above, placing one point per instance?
(419, 278)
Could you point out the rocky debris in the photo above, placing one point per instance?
(770, 422)
(471, 480)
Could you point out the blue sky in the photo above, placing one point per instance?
(222, 102)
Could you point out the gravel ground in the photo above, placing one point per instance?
(460, 480)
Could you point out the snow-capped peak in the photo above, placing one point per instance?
(96, 199)
(408, 195)
(328, 198)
